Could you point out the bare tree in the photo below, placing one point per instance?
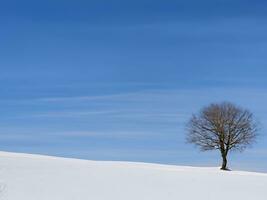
(224, 127)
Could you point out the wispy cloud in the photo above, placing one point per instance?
(110, 134)
(72, 114)
(87, 98)
(38, 135)
(155, 95)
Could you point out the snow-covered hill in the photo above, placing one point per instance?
(34, 177)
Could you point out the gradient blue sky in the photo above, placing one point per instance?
(118, 80)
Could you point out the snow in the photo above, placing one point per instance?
(35, 177)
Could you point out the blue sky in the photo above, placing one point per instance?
(118, 80)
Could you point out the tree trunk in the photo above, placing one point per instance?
(224, 162)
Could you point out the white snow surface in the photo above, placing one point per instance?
(35, 177)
